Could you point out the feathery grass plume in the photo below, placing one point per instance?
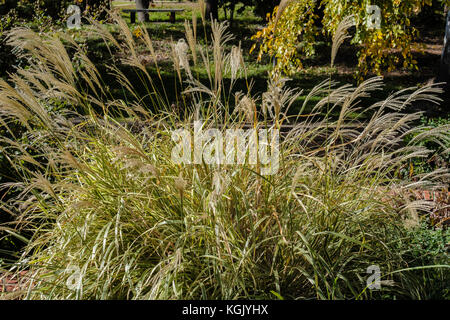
(202, 8)
(281, 7)
(277, 100)
(150, 47)
(101, 30)
(176, 60)
(53, 56)
(181, 49)
(126, 33)
(192, 40)
(340, 35)
(439, 135)
(180, 183)
(220, 38)
(132, 59)
(51, 66)
(194, 26)
(110, 219)
(247, 106)
(206, 64)
(236, 61)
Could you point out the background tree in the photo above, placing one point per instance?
(142, 4)
(229, 7)
(212, 9)
(260, 7)
(263, 7)
(295, 25)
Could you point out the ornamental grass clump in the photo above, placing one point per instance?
(110, 215)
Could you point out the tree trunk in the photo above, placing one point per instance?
(212, 10)
(142, 4)
(232, 7)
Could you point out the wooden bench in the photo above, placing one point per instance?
(133, 13)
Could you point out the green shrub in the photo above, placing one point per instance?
(431, 246)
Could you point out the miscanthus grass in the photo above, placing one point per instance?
(112, 216)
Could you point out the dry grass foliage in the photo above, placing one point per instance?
(107, 205)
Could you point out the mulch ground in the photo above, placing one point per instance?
(13, 283)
